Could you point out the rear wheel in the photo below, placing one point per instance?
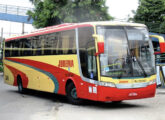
(20, 86)
(72, 94)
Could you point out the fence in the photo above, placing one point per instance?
(16, 10)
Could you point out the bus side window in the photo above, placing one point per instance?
(40, 45)
(36, 45)
(68, 42)
(65, 44)
(48, 44)
(27, 45)
(15, 46)
(11, 50)
(20, 48)
(87, 51)
(7, 50)
(55, 44)
(72, 42)
(58, 43)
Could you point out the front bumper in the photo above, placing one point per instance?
(115, 94)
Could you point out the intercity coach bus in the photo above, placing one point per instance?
(100, 61)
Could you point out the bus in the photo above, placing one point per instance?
(159, 49)
(99, 61)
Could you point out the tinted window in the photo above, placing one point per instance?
(87, 52)
(68, 45)
(48, 44)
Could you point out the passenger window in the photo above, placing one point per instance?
(27, 47)
(15, 50)
(48, 44)
(68, 42)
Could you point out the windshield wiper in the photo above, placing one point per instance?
(142, 68)
(130, 58)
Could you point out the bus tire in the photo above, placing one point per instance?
(72, 94)
(20, 86)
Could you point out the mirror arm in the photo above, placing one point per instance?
(100, 44)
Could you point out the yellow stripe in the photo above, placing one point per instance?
(160, 38)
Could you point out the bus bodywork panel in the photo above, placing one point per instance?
(38, 80)
(45, 73)
(115, 94)
(39, 75)
(126, 89)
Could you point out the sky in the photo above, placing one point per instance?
(119, 9)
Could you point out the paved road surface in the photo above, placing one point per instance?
(44, 106)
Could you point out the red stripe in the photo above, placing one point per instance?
(50, 31)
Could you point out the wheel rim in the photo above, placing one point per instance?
(74, 93)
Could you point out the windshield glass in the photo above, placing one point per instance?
(128, 52)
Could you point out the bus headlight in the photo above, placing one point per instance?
(152, 82)
(107, 84)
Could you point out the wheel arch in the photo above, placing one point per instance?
(23, 79)
(68, 81)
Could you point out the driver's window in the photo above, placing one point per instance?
(87, 53)
(92, 72)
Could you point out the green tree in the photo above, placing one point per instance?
(151, 13)
(52, 12)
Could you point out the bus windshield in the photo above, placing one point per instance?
(128, 52)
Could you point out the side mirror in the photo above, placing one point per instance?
(100, 44)
(161, 43)
(162, 47)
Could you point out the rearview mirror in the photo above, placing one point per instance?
(100, 44)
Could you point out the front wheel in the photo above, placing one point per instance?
(72, 94)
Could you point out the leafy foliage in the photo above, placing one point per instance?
(151, 13)
(52, 12)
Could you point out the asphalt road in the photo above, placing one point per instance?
(36, 105)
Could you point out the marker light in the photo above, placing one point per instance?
(152, 82)
(107, 84)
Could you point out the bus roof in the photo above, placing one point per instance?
(115, 23)
(69, 26)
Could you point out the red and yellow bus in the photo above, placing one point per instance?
(100, 61)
